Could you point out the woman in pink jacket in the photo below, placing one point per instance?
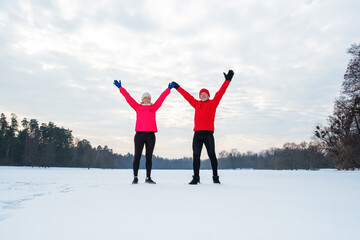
(145, 127)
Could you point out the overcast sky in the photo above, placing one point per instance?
(58, 60)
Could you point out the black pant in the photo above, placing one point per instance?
(141, 139)
(207, 138)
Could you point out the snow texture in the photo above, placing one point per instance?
(61, 203)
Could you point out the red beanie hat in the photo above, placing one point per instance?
(204, 90)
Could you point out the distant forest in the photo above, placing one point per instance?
(336, 145)
(47, 145)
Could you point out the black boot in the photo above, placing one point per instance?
(195, 180)
(135, 181)
(149, 180)
(216, 179)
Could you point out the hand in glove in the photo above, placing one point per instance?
(171, 85)
(176, 86)
(230, 75)
(117, 83)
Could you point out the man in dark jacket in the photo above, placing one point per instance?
(205, 110)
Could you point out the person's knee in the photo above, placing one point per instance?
(196, 156)
(196, 152)
(212, 155)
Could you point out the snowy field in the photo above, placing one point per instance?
(60, 203)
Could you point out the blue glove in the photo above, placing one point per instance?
(117, 83)
(171, 85)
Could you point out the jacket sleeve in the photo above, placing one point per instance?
(129, 99)
(219, 94)
(161, 99)
(187, 97)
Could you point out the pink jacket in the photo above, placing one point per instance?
(145, 115)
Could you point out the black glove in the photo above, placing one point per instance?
(230, 75)
(176, 85)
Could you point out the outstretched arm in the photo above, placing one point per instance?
(129, 99)
(186, 95)
(127, 96)
(219, 94)
(161, 99)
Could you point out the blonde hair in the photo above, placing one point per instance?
(142, 103)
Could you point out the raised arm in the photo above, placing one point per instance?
(186, 95)
(219, 94)
(161, 99)
(127, 96)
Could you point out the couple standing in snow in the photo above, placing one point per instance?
(145, 127)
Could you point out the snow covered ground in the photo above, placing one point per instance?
(61, 203)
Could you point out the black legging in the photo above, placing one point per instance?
(141, 139)
(207, 138)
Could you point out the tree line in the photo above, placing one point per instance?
(47, 145)
(291, 156)
(29, 143)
